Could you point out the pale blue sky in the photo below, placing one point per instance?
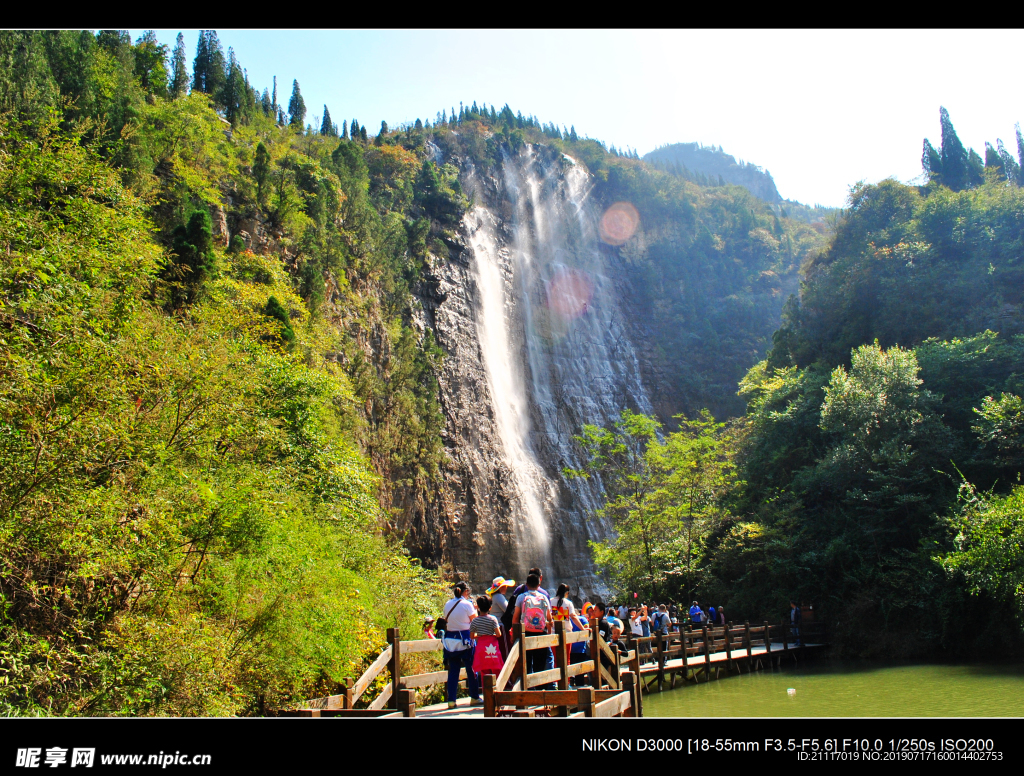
(819, 109)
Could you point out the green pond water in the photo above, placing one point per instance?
(839, 689)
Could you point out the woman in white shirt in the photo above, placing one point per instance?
(458, 645)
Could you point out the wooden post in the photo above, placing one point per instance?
(728, 649)
(489, 695)
(562, 656)
(768, 641)
(518, 635)
(785, 636)
(585, 699)
(407, 702)
(638, 682)
(707, 656)
(347, 701)
(661, 663)
(394, 666)
(746, 638)
(595, 652)
(629, 685)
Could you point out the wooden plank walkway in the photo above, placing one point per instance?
(613, 681)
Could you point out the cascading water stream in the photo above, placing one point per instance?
(555, 348)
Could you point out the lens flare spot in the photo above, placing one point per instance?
(570, 293)
(618, 223)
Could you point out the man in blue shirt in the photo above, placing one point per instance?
(696, 615)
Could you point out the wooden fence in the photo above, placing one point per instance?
(612, 691)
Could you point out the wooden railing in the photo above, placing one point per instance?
(611, 691)
(696, 649)
(603, 670)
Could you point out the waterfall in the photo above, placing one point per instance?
(554, 344)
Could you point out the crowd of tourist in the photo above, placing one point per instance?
(476, 635)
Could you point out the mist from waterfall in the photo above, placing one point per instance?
(555, 348)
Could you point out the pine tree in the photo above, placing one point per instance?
(273, 97)
(179, 73)
(419, 125)
(296, 106)
(199, 64)
(1010, 167)
(956, 172)
(572, 134)
(931, 162)
(362, 134)
(266, 105)
(209, 69)
(344, 130)
(383, 132)
(234, 92)
(261, 170)
(975, 168)
(1020, 157)
(353, 129)
(326, 127)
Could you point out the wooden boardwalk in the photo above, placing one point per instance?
(611, 682)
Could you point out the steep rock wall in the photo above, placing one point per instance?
(527, 310)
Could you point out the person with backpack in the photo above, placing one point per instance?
(458, 645)
(660, 622)
(533, 612)
(506, 619)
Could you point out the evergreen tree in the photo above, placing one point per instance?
(266, 105)
(151, 64)
(296, 106)
(234, 91)
(1010, 167)
(209, 70)
(572, 134)
(362, 134)
(975, 168)
(326, 127)
(275, 310)
(931, 161)
(383, 133)
(354, 129)
(273, 97)
(956, 172)
(193, 248)
(344, 130)
(179, 73)
(261, 171)
(418, 125)
(992, 158)
(1020, 157)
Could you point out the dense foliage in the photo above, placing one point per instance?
(194, 518)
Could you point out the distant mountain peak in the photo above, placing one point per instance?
(696, 161)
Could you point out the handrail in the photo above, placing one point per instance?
(693, 648)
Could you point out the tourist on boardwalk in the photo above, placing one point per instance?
(499, 603)
(794, 622)
(712, 616)
(562, 608)
(428, 627)
(486, 632)
(623, 611)
(661, 622)
(634, 623)
(458, 646)
(579, 652)
(721, 616)
(696, 616)
(533, 612)
(506, 621)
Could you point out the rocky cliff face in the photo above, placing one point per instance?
(527, 309)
